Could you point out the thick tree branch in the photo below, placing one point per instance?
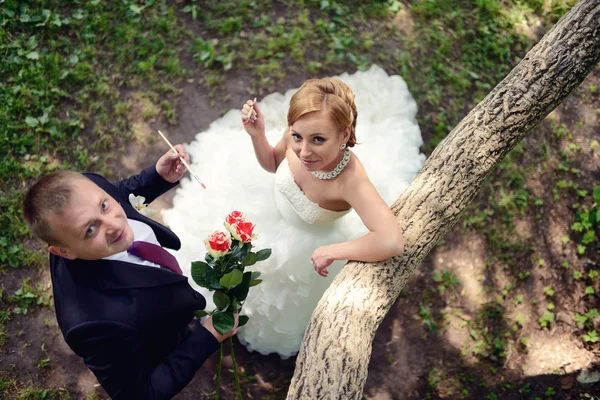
(335, 353)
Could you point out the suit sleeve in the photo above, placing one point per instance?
(147, 183)
(117, 355)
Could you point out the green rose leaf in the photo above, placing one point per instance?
(200, 313)
(243, 320)
(263, 254)
(241, 291)
(239, 251)
(199, 270)
(231, 279)
(235, 305)
(223, 322)
(221, 300)
(250, 259)
(255, 282)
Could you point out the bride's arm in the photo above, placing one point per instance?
(384, 240)
(269, 157)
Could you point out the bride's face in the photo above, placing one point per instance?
(316, 141)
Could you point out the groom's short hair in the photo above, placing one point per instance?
(50, 194)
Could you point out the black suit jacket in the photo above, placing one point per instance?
(129, 322)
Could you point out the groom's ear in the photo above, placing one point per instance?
(61, 252)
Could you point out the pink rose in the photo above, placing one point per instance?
(218, 244)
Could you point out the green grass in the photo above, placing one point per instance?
(462, 50)
(42, 394)
(72, 73)
(64, 67)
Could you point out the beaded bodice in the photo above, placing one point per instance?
(308, 211)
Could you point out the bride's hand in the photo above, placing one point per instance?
(321, 259)
(255, 126)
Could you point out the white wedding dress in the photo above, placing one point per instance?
(286, 220)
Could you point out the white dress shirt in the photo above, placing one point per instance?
(141, 232)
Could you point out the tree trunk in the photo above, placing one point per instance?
(335, 352)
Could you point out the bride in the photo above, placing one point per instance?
(323, 207)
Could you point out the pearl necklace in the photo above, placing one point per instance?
(336, 171)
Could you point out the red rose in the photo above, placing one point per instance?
(234, 217)
(218, 244)
(244, 231)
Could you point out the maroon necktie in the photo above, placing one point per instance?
(156, 254)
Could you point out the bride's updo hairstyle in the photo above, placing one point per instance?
(330, 94)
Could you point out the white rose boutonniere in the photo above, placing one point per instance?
(138, 202)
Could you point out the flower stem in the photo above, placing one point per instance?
(219, 372)
(235, 373)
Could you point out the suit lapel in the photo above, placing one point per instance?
(111, 274)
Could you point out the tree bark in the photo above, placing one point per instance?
(335, 352)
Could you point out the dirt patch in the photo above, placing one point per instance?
(411, 359)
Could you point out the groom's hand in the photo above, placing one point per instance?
(209, 326)
(170, 167)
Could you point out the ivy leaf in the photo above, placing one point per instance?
(231, 279)
(32, 42)
(31, 121)
(243, 320)
(597, 194)
(592, 336)
(588, 237)
(136, 9)
(223, 322)
(57, 21)
(263, 254)
(221, 300)
(78, 14)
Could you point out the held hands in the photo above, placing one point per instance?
(170, 167)
(255, 126)
(322, 259)
(209, 326)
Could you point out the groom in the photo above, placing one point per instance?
(121, 301)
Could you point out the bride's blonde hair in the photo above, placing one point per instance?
(329, 94)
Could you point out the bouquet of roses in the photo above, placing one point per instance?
(223, 271)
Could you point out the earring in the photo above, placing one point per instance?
(343, 146)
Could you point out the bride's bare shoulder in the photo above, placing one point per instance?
(354, 172)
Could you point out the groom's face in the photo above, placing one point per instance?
(92, 226)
